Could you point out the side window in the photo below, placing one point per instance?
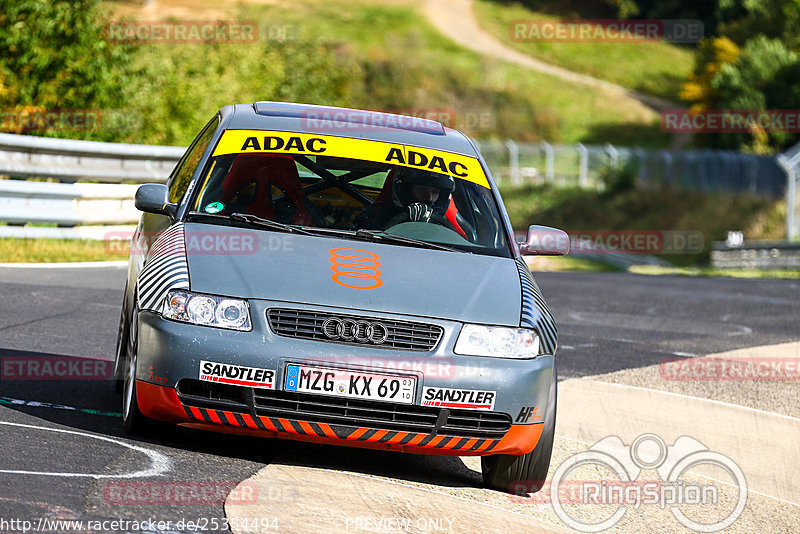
(187, 165)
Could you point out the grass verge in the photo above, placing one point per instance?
(13, 250)
(712, 214)
(708, 271)
(574, 264)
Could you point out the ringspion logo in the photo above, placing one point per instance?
(619, 480)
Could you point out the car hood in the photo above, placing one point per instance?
(296, 268)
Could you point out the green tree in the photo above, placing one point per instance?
(742, 20)
(765, 76)
(54, 55)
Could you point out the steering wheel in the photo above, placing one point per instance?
(436, 218)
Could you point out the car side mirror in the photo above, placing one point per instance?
(545, 241)
(154, 198)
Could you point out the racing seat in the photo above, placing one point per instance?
(254, 181)
(383, 202)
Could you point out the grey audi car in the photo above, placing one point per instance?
(344, 277)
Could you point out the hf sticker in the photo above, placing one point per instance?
(530, 414)
(355, 268)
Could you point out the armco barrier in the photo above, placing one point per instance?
(23, 156)
(79, 209)
(67, 204)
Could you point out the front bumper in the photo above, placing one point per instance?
(162, 403)
(169, 354)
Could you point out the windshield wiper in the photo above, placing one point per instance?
(362, 233)
(254, 220)
(380, 235)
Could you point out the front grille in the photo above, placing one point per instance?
(344, 412)
(201, 394)
(401, 335)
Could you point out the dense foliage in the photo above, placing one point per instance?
(748, 61)
(54, 56)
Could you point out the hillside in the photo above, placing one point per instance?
(361, 53)
(657, 68)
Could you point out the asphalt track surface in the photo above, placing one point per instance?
(65, 453)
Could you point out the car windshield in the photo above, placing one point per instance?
(342, 195)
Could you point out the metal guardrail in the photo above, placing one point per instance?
(67, 204)
(80, 210)
(25, 156)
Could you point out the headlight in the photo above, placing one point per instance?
(497, 342)
(207, 310)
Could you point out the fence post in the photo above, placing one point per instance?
(752, 173)
(642, 157)
(549, 157)
(791, 195)
(666, 178)
(613, 155)
(513, 161)
(583, 166)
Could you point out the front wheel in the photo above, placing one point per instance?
(134, 421)
(118, 377)
(525, 473)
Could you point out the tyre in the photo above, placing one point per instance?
(118, 377)
(524, 473)
(132, 418)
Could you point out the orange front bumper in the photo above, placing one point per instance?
(162, 403)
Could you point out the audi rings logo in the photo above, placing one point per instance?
(360, 267)
(355, 330)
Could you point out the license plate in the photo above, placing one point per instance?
(350, 384)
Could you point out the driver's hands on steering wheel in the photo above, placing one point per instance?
(420, 212)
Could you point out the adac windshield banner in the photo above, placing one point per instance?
(261, 141)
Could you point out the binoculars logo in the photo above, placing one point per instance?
(647, 452)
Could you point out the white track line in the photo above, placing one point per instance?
(159, 464)
(66, 265)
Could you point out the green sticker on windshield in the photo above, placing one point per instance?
(214, 207)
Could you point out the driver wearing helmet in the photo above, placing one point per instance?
(417, 196)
